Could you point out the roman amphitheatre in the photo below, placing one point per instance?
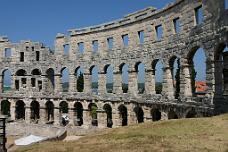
(39, 97)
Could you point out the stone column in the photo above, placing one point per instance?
(185, 82)
(168, 88)
(102, 118)
(27, 114)
(12, 110)
(147, 115)
(116, 118)
(71, 116)
(132, 118)
(133, 83)
(150, 82)
(56, 116)
(87, 83)
(102, 83)
(117, 83)
(43, 118)
(87, 119)
(58, 84)
(72, 83)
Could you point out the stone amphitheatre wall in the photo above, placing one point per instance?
(211, 35)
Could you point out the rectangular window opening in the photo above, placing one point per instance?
(125, 40)
(7, 53)
(37, 55)
(141, 37)
(66, 49)
(23, 81)
(159, 32)
(110, 43)
(22, 58)
(226, 4)
(81, 47)
(199, 15)
(176, 23)
(95, 46)
(33, 82)
(17, 85)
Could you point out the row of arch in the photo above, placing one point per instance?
(20, 112)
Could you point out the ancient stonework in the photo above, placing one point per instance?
(37, 94)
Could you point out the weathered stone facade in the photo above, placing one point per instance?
(32, 76)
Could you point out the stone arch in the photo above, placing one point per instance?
(78, 113)
(94, 78)
(172, 115)
(49, 107)
(174, 64)
(108, 70)
(156, 114)
(157, 67)
(6, 80)
(21, 72)
(35, 110)
(108, 110)
(80, 79)
(92, 107)
(124, 71)
(36, 72)
(50, 74)
(65, 79)
(20, 110)
(191, 114)
(123, 115)
(5, 108)
(139, 114)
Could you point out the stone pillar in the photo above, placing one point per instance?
(12, 110)
(87, 83)
(58, 84)
(185, 82)
(102, 83)
(87, 119)
(147, 115)
(101, 118)
(27, 114)
(168, 88)
(133, 83)
(117, 83)
(71, 116)
(43, 118)
(1, 83)
(56, 116)
(150, 82)
(72, 83)
(132, 118)
(116, 118)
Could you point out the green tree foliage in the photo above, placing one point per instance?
(80, 83)
(177, 76)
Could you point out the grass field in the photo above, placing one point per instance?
(203, 134)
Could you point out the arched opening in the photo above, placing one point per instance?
(5, 108)
(139, 114)
(36, 72)
(65, 79)
(35, 110)
(156, 114)
(7, 80)
(108, 110)
(124, 72)
(174, 64)
(172, 115)
(78, 112)
(191, 114)
(221, 70)
(80, 79)
(50, 79)
(158, 72)
(109, 78)
(123, 115)
(20, 110)
(36, 80)
(197, 70)
(49, 112)
(63, 111)
(20, 80)
(140, 68)
(94, 82)
(93, 113)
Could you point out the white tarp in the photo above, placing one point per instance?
(28, 140)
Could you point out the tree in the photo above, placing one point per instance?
(80, 83)
(177, 76)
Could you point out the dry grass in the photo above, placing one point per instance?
(204, 134)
